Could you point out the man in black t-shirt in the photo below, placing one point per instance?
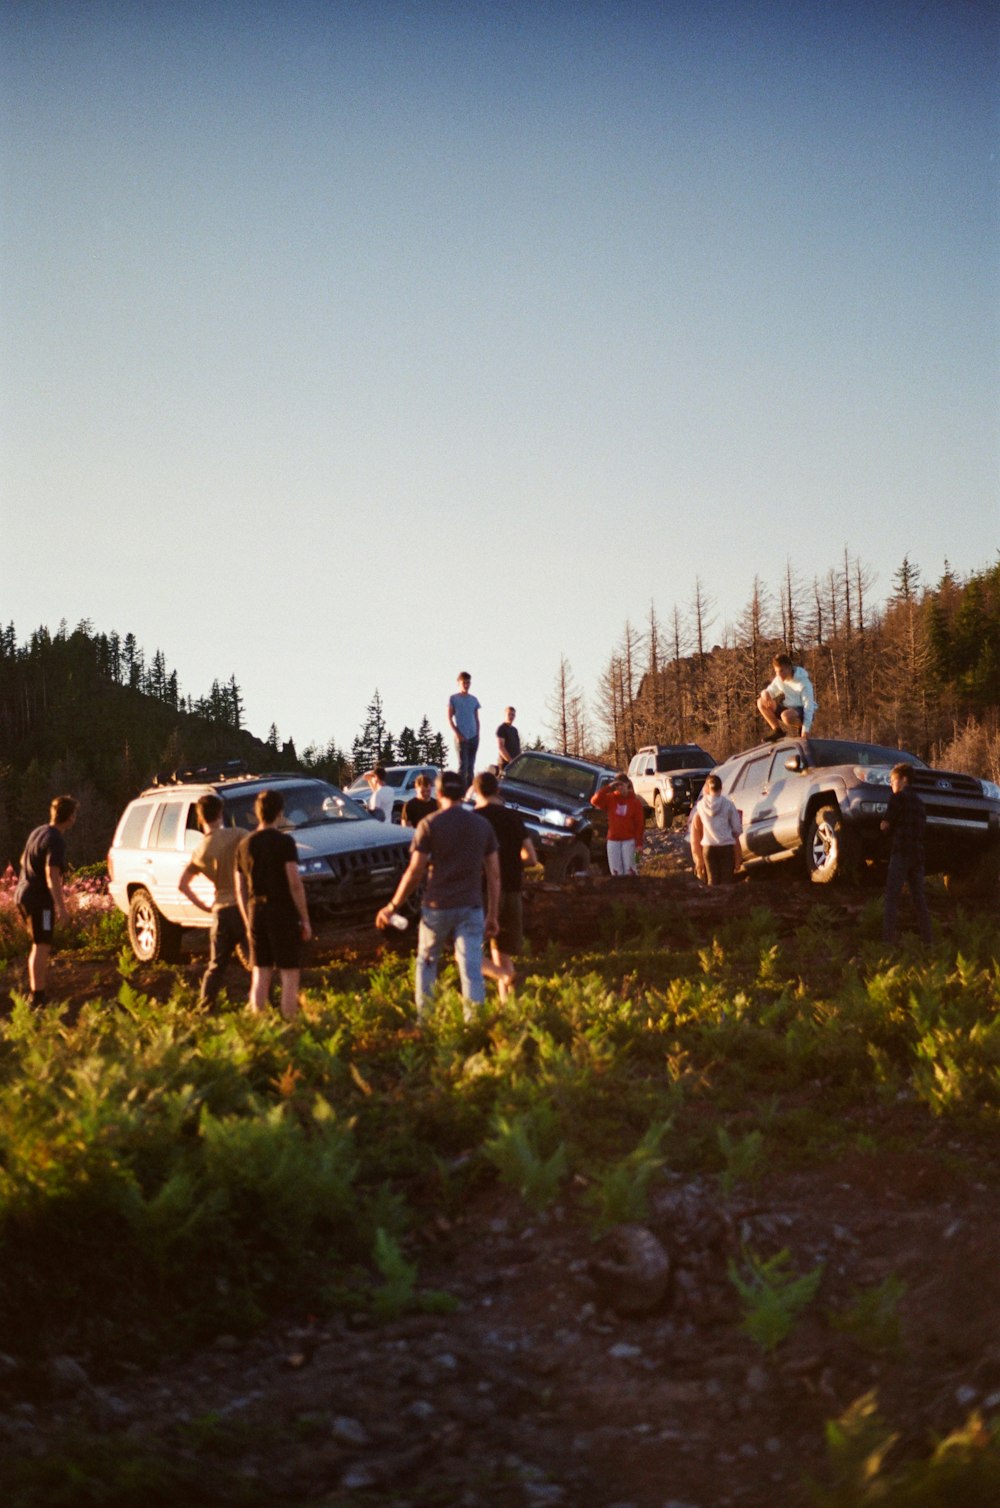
(419, 806)
(39, 892)
(455, 851)
(508, 740)
(905, 822)
(272, 900)
(516, 848)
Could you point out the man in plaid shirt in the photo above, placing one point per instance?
(905, 821)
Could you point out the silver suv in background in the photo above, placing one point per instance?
(349, 862)
(824, 798)
(667, 778)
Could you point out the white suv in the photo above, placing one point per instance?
(349, 862)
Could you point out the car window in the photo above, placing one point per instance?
(554, 775)
(134, 825)
(833, 751)
(751, 777)
(307, 803)
(169, 825)
(683, 759)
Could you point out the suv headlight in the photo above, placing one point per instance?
(876, 774)
(314, 866)
(990, 790)
(556, 819)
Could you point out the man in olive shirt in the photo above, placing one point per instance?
(455, 849)
(215, 858)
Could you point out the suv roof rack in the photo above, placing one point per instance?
(202, 774)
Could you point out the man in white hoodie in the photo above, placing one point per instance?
(788, 703)
(715, 835)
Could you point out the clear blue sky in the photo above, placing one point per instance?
(352, 345)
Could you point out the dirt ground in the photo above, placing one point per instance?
(541, 1388)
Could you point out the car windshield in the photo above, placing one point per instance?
(555, 775)
(834, 751)
(684, 759)
(306, 804)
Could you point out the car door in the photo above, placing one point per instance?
(751, 794)
(167, 857)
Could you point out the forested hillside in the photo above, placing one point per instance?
(86, 713)
(919, 670)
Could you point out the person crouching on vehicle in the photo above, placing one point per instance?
(626, 823)
(716, 826)
(788, 702)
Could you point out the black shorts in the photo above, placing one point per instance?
(275, 938)
(40, 919)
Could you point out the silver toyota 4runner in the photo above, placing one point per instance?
(349, 862)
(824, 798)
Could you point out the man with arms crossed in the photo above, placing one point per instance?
(272, 900)
(215, 858)
(39, 893)
(454, 848)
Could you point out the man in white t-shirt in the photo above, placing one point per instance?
(382, 795)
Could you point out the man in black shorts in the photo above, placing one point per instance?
(39, 893)
(272, 899)
(515, 848)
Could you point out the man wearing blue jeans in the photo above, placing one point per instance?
(454, 849)
(463, 719)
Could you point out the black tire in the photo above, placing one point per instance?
(660, 816)
(572, 859)
(831, 852)
(152, 937)
(978, 880)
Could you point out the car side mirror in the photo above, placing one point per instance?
(793, 762)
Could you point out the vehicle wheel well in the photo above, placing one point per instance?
(821, 798)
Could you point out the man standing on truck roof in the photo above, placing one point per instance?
(788, 702)
(463, 719)
(215, 858)
(39, 891)
(508, 741)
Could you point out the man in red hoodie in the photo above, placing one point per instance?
(626, 823)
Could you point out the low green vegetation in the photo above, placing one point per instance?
(167, 1175)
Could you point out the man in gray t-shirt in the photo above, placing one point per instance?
(454, 849)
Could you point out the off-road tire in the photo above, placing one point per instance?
(660, 816)
(574, 858)
(831, 852)
(153, 938)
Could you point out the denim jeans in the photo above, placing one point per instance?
(467, 749)
(464, 924)
(225, 935)
(904, 870)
